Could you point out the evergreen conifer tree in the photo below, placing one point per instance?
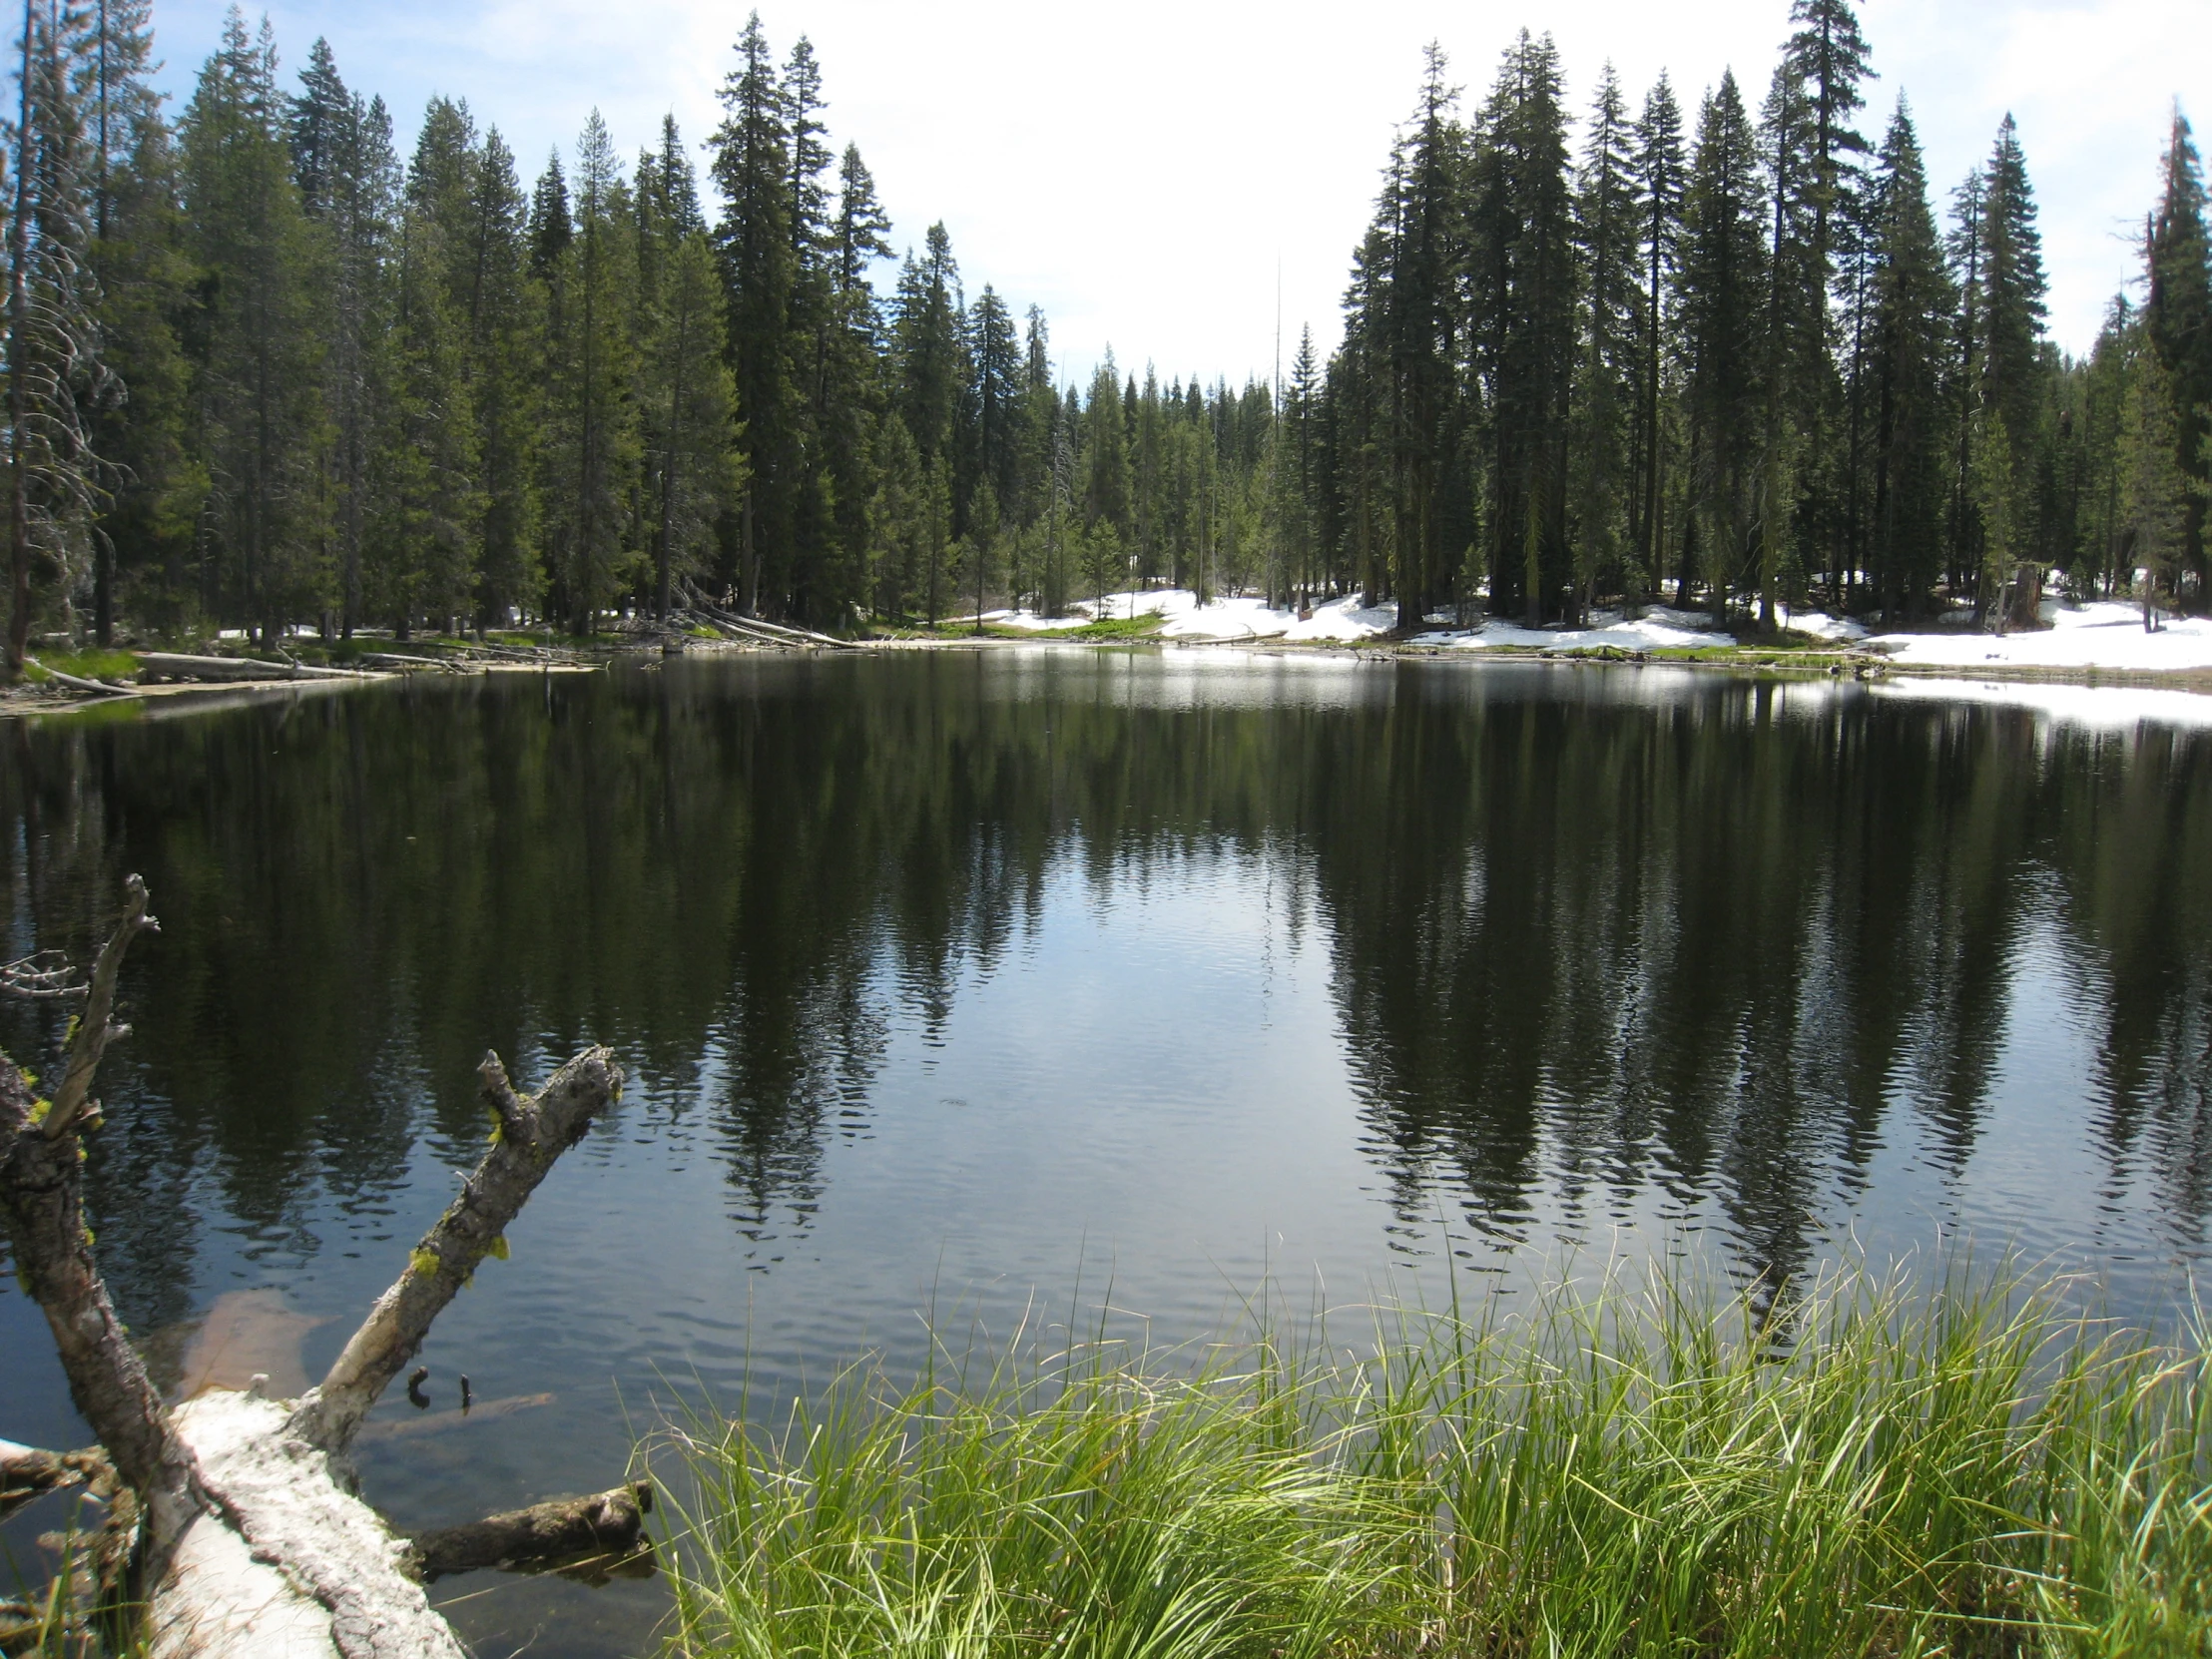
(2177, 315)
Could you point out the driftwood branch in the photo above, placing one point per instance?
(91, 688)
(27, 1473)
(568, 1530)
(529, 1135)
(42, 976)
(170, 665)
(94, 1031)
(255, 1541)
(42, 1203)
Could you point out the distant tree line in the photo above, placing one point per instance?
(1741, 357)
(262, 372)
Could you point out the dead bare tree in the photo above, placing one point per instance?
(254, 1540)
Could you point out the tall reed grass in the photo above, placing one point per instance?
(1882, 1467)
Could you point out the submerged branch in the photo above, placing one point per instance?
(531, 1134)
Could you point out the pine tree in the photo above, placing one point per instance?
(134, 257)
(1721, 290)
(261, 417)
(348, 180)
(2011, 291)
(594, 446)
(506, 324)
(926, 348)
(690, 418)
(55, 370)
(1522, 318)
(148, 290)
(428, 506)
(2154, 491)
(1605, 227)
(1661, 174)
(754, 169)
(1105, 452)
(1912, 306)
(2177, 315)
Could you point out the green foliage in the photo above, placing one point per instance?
(1874, 1468)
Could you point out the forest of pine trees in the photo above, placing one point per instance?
(1735, 356)
(266, 372)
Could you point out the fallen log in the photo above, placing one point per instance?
(604, 1527)
(774, 630)
(253, 1541)
(170, 665)
(437, 1423)
(91, 688)
(27, 1473)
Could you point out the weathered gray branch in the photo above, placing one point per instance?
(27, 1473)
(92, 687)
(175, 666)
(530, 1134)
(255, 1541)
(41, 1202)
(43, 976)
(604, 1525)
(94, 1031)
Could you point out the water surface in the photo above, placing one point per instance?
(968, 979)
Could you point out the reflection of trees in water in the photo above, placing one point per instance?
(1600, 942)
(1700, 947)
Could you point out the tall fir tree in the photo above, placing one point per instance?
(263, 421)
(2177, 315)
(1722, 289)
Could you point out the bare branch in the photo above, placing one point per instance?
(93, 1032)
(43, 975)
(531, 1134)
(602, 1529)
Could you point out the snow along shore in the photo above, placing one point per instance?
(2103, 634)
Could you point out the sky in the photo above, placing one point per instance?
(1168, 178)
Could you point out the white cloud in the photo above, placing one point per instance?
(1142, 170)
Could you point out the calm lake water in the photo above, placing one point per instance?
(962, 979)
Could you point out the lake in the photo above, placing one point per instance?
(1024, 983)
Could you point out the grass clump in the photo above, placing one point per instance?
(1886, 1470)
(89, 664)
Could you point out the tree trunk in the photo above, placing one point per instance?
(255, 1543)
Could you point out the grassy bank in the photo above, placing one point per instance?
(1885, 1470)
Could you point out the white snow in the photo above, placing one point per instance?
(1658, 628)
(1233, 618)
(2103, 634)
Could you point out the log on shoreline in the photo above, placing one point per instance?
(171, 665)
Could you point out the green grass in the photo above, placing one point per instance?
(87, 665)
(1642, 1470)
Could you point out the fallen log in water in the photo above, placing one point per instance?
(255, 1543)
(27, 1473)
(437, 1423)
(604, 1526)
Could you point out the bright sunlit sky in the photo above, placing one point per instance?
(1144, 169)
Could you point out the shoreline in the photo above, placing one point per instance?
(1780, 662)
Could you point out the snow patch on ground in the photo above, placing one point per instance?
(2103, 634)
(1658, 628)
(1235, 618)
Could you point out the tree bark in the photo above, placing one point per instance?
(174, 666)
(604, 1526)
(255, 1543)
